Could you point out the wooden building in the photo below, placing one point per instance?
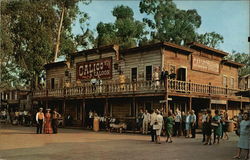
(199, 78)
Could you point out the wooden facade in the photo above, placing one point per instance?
(201, 79)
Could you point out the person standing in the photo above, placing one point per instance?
(188, 125)
(146, 119)
(152, 122)
(244, 140)
(140, 119)
(216, 123)
(224, 122)
(47, 124)
(156, 78)
(169, 127)
(207, 128)
(183, 123)
(158, 127)
(193, 123)
(39, 120)
(203, 121)
(55, 117)
(91, 119)
(177, 123)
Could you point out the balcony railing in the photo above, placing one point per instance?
(139, 87)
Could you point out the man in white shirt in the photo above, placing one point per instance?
(146, 119)
(153, 119)
(39, 120)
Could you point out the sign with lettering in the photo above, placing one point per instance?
(93, 69)
(205, 65)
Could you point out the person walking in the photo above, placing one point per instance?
(193, 123)
(158, 127)
(40, 121)
(152, 122)
(55, 116)
(244, 140)
(224, 122)
(146, 119)
(207, 127)
(216, 123)
(140, 120)
(169, 127)
(47, 124)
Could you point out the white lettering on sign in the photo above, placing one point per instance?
(205, 65)
(95, 68)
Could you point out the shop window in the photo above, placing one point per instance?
(134, 74)
(148, 73)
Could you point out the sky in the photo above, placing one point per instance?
(230, 18)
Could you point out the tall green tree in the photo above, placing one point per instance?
(32, 31)
(168, 23)
(241, 58)
(125, 31)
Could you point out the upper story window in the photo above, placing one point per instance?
(52, 83)
(232, 82)
(224, 81)
(148, 73)
(134, 74)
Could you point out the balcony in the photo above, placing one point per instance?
(134, 88)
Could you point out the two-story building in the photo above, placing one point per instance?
(199, 78)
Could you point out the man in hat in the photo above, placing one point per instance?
(39, 120)
(55, 116)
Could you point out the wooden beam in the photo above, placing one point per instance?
(106, 107)
(190, 103)
(210, 105)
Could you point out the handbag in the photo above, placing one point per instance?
(214, 124)
(156, 127)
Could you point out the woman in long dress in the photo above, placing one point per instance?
(244, 141)
(159, 121)
(169, 127)
(47, 124)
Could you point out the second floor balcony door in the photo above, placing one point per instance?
(134, 74)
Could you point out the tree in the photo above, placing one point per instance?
(168, 23)
(32, 30)
(241, 58)
(211, 39)
(125, 31)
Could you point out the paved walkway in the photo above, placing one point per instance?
(20, 143)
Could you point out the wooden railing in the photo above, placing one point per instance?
(135, 88)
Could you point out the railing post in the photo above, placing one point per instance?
(209, 88)
(226, 89)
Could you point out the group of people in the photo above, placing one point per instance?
(217, 124)
(170, 124)
(18, 117)
(47, 122)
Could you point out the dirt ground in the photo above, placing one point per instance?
(21, 143)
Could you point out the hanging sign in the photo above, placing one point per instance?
(93, 69)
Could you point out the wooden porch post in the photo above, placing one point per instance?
(106, 107)
(227, 105)
(210, 105)
(241, 107)
(47, 104)
(83, 113)
(166, 95)
(190, 103)
(64, 108)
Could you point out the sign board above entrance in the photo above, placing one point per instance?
(217, 101)
(205, 65)
(92, 69)
(164, 101)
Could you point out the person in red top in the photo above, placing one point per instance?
(47, 124)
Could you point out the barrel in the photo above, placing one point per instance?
(230, 127)
(96, 124)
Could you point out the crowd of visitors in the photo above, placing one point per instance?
(21, 117)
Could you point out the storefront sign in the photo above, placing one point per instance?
(95, 68)
(216, 101)
(205, 65)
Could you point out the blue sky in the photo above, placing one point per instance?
(227, 17)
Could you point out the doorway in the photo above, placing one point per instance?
(181, 74)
